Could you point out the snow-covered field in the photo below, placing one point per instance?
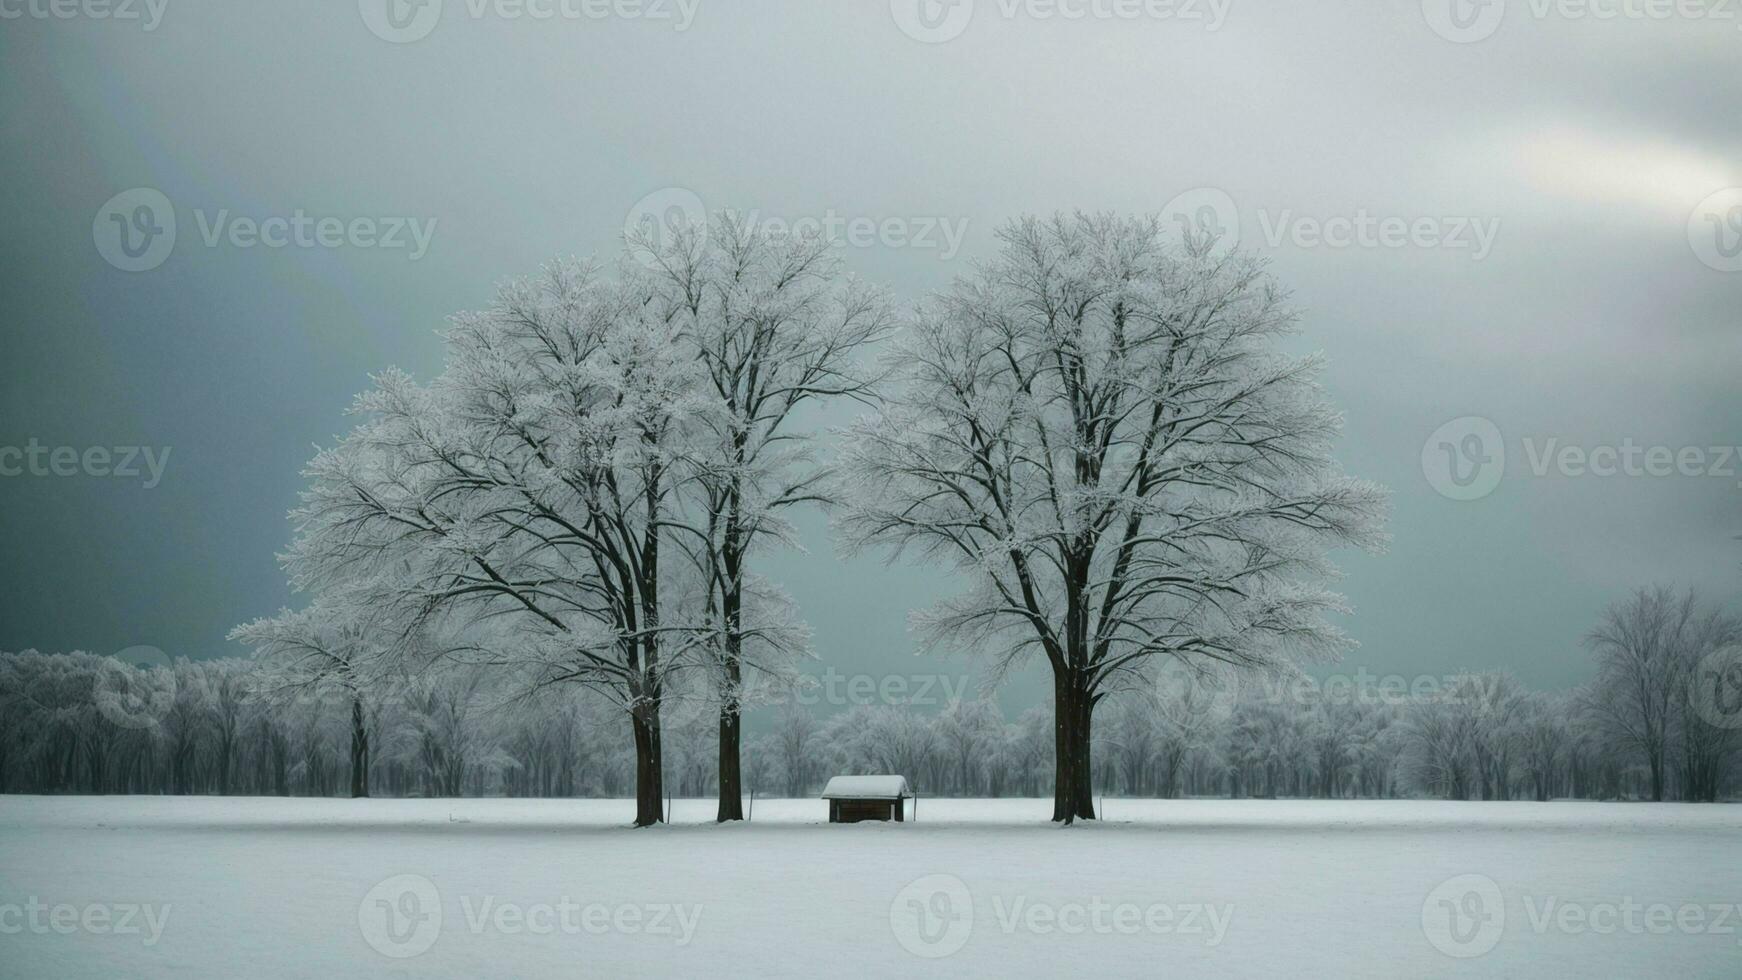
(200, 887)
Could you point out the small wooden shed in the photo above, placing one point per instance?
(855, 798)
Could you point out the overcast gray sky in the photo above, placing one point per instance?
(1542, 231)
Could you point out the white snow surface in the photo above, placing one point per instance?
(866, 788)
(266, 888)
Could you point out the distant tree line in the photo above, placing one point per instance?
(1661, 719)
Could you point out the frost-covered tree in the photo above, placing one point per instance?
(1188, 705)
(186, 725)
(335, 649)
(794, 743)
(228, 689)
(1543, 742)
(1641, 671)
(1440, 742)
(1334, 732)
(967, 732)
(1497, 704)
(774, 328)
(450, 731)
(759, 767)
(528, 487)
(1031, 742)
(1708, 749)
(1098, 430)
(1132, 735)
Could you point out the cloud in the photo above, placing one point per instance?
(1575, 163)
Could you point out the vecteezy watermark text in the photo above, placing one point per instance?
(39, 918)
(1364, 687)
(934, 916)
(1212, 213)
(1365, 230)
(402, 917)
(1469, 21)
(148, 13)
(405, 21)
(135, 231)
(35, 459)
(1466, 458)
(937, 21)
(664, 212)
(1466, 916)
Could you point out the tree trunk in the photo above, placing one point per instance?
(226, 752)
(647, 688)
(280, 767)
(649, 776)
(1073, 780)
(731, 783)
(731, 613)
(359, 751)
(731, 711)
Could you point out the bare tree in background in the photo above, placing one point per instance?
(1544, 742)
(968, 730)
(1440, 746)
(795, 736)
(1642, 671)
(1132, 738)
(332, 650)
(1707, 734)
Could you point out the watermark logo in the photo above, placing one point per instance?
(660, 218)
(1717, 690)
(401, 917)
(1715, 230)
(135, 230)
(135, 688)
(1465, 916)
(400, 21)
(932, 21)
(933, 916)
(1206, 215)
(1464, 21)
(1198, 694)
(1464, 459)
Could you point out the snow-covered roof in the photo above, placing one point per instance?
(867, 788)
